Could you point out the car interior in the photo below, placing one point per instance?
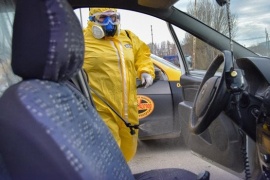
(56, 128)
(56, 132)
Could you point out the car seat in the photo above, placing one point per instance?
(48, 129)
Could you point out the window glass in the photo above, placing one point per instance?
(250, 24)
(198, 54)
(7, 77)
(153, 31)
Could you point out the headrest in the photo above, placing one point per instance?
(47, 40)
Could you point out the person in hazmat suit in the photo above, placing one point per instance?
(114, 58)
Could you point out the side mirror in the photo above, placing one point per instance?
(221, 2)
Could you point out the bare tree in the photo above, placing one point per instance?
(214, 16)
(165, 48)
(209, 12)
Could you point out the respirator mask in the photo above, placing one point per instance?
(106, 24)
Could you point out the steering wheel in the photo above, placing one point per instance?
(212, 96)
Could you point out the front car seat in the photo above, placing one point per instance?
(48, 129)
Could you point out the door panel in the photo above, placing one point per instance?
(190, 86)
(220, 142)
(159, 123)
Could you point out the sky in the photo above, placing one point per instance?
(253, 17)
(251, 29)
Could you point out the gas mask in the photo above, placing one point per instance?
(106, 24)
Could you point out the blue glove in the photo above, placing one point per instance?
(146, 79)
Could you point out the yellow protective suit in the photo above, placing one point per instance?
(112, 65)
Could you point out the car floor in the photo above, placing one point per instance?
(172, 153)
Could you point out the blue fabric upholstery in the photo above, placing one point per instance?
(167, 174)
(47, 41)
(3, 170)
(48, 130)
(54, 122)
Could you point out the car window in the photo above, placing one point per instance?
(198, 54)
(153, 31)
(7, 78)
(251, 32)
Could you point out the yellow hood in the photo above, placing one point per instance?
(93, 11)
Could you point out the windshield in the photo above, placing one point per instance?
(249, 19)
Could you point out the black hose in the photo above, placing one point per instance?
(245, 156)
(131, 127)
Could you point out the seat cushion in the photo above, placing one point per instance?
(55, 132)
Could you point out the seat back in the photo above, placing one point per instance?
(48, 129)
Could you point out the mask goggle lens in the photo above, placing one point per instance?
(114, 18)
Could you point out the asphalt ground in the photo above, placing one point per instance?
(172, 153)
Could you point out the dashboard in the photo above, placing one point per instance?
(255, 105)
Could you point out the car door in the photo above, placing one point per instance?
(157, 106)
(221, 142)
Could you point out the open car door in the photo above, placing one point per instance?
(222, 142)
